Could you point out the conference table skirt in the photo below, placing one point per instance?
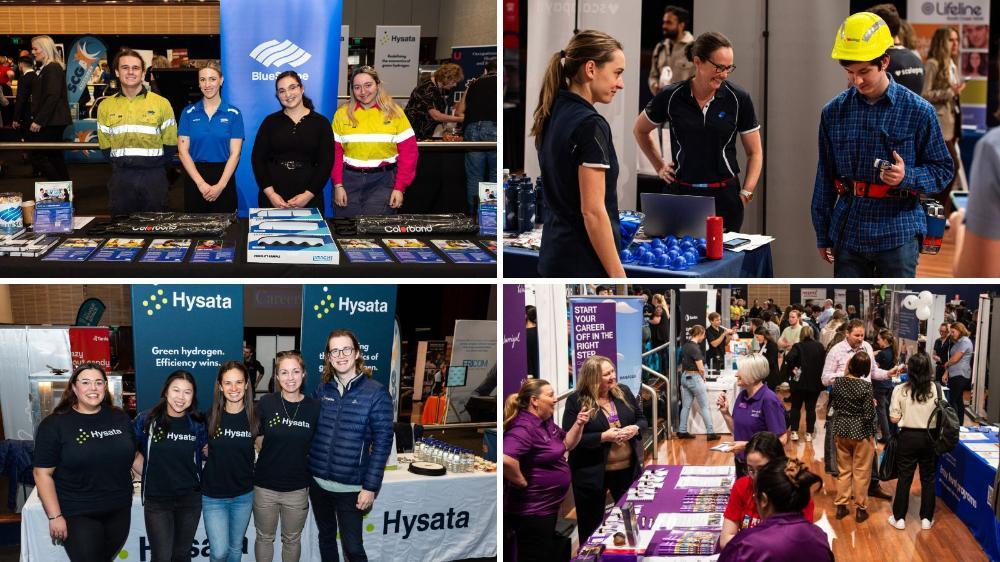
(414, 518)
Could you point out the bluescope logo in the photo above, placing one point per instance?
(278, 53)
(330, 303)
(159, 300)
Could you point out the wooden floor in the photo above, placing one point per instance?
(949, 540)
(941, 264)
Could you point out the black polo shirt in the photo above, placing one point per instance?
(575, 135)
(703, 143)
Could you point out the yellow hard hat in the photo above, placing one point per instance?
(862, 37)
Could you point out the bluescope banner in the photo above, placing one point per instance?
(196, 328)
(258, 43)
(368, 311)
(81, 61)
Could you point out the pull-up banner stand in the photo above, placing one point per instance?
(260, 42)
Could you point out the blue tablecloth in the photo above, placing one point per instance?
(521, 262)
(964, 482)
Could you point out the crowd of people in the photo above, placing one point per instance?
(368, 149)
(869, 221)
(275, 458)
(875, 395)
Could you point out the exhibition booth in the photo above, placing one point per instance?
(776, 238)
(407, 333)
(675, 506)
(446, 222)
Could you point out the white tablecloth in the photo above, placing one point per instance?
(725, 384)
(414, 518)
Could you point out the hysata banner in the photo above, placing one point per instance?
(196, 328)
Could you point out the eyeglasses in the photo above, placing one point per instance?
(96, 383)
(720, 69)
(338, 352)
(291, 88)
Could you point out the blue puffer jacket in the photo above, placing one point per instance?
(354, 434)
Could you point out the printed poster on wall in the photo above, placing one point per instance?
(515, 347)
(621, 317)
(971, 18)
(367, 310)
(474, 347)
(196, 328)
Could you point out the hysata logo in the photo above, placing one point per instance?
(393, 38)
(347, 304)
(180, 299)
(83, 436)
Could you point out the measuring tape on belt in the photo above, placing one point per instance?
(932, 209)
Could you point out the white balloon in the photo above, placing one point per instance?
(910, 302)
(926, 298)
(923, 313)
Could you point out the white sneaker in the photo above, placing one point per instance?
(897, 523)
(926, 524)
(809, 437)
(795, 436)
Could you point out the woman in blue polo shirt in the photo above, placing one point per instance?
(706, 114)
(577, 158)
(209, 140)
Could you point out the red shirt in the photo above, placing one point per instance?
(742, 509)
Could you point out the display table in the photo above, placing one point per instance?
(964, 482)
(522, 262)
(237, 235)
(725, 384)
(414, 518)
(654, 523)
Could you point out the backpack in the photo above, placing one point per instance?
(947, 425)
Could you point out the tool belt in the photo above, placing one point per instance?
(871, 190)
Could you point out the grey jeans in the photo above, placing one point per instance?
(292, 507)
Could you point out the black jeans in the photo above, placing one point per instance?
(913, 449)
(533, 535)
(334, 510)
(51, 163)
(590, 501)
(97, 537)
(171, 524)
(883, 396)
(800, 397)
(135, 190)
(956, 389)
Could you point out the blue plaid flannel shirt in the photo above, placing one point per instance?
(852, 134)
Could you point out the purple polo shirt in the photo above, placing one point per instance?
(780, 537)
(538, 447)
(761, 412)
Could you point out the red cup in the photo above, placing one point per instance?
(713, 237)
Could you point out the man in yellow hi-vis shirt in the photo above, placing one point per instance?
(138, 135)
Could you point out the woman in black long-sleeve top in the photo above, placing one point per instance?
(609, 456)
(809, 356)
(49, 108)
(293, 151)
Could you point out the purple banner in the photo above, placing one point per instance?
(593, 331)
(515, 351)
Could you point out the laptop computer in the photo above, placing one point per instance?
(679, 215)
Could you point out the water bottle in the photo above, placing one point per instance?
(525, 206)
(539, 202)
(468, 461)
(510, 193)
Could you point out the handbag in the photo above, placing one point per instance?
(887, 469)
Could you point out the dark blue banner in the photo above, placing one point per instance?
(367, 310)
(196, 328)
(905, 323)
(81, 62)
(259, 42)
(473, 61)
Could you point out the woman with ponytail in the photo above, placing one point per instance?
(782, 490)
(536, 474)
(577, 159)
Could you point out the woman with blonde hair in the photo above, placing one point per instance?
(609, 457)
(375, 150)
(942, 87)
(209, 140)
(958, 368)
(756, 408)
(428, 103)
(577, 157)
(49, 107)
(351, 445)
(536, 474)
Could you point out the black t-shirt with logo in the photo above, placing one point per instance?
(170, 460)
(92, 455)
(229, 470)
(288, 428)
